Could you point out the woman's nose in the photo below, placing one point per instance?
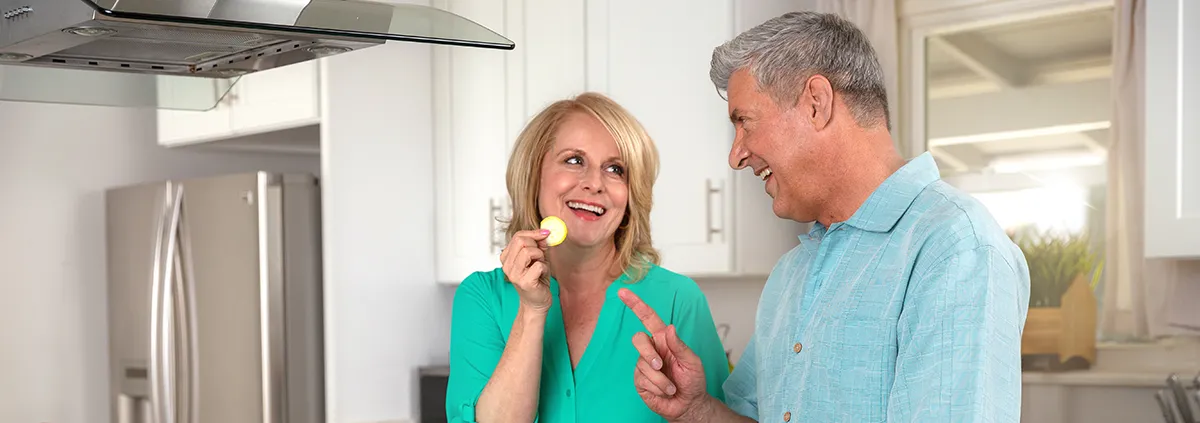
(591, 181)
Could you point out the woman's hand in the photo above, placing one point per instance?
(524, 264)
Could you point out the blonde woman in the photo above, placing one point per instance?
(545, 336)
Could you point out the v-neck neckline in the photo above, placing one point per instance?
(603, 329)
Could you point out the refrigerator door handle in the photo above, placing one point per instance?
(170, 360)
(183, 357)
(156, 308)
(159, 294)
(188, 289)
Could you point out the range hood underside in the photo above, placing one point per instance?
(185, 54)
(176, 50)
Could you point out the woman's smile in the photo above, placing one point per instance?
(586, 211)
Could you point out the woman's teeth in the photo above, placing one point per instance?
(581, 206)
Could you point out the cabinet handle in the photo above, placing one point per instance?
(709, 191)
(493, 215)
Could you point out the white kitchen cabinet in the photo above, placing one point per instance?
(660, 73)
(1172, 130)
(180, 127)
(275, 101)
(470, 147)
(482, 100)
(707, 220)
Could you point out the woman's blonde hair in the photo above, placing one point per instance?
(634, 248)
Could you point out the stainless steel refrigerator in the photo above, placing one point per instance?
(214, 300)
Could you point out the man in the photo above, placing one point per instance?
(905, 302)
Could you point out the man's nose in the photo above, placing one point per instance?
(738, 153)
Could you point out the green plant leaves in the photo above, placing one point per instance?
(1055, 260)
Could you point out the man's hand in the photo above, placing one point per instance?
(669, 376)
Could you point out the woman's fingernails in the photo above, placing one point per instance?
(545, 232)
(656, 364)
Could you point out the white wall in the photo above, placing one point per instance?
(55, 163)
(385, 316)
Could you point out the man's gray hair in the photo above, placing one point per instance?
(782, 53)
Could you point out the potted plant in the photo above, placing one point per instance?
(1060, 330)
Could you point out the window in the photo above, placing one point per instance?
(1016, 112)
(1018, 115)
(1013, 101)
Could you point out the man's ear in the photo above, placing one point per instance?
(817, 100)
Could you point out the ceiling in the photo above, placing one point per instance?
(1031, 89)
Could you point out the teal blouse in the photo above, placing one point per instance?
(601, 388)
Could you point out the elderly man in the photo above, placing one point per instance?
(905, 302)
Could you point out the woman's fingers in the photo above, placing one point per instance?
(656, 379)
(520, 254)
(527, 256)
(532, 277)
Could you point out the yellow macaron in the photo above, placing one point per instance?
(557, 228)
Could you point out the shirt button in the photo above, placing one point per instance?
(787, 416)
(568, 393)
(797, 347)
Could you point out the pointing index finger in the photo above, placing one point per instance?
(649, 318)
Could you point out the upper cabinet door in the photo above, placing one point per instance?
(275, 99)
(1172, 129)
(471, 131)
(184, 127)
(659, 72)
(255, 114)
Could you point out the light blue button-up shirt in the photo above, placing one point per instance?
(910, 311)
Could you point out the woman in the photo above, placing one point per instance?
(545, 337)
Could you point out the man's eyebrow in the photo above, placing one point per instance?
(734, 115)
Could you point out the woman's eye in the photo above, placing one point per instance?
(574, 160)
(617, 169)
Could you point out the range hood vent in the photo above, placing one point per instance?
(186, 54)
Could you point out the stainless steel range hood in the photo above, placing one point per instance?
(185, 54)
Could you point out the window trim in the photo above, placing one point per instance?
(916, 25)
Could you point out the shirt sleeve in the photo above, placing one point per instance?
(476, 344)
(694, 324)
(741, 390)
(959, 341)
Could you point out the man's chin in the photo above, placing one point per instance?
(778, 208)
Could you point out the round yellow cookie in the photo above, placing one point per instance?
(557, 228)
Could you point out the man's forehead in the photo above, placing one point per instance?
(740, 80)
(740, 91)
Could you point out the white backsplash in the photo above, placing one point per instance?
(733, 301)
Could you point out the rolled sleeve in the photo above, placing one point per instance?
(741, 389)
(959, 341)
(476, 345)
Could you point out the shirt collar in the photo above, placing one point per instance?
(892, 198)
